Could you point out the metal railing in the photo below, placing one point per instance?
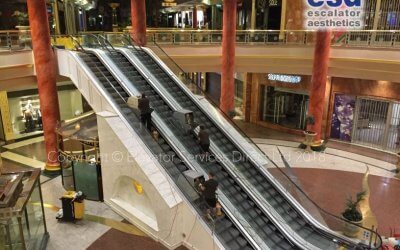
(21, 40)
(363, 38)
(15, 40)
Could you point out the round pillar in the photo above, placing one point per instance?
(318, 82)
(138, 15)
(227, 103)
(45, 66)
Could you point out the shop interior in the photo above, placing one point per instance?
(25, 113)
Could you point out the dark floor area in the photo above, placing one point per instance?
(114, 239)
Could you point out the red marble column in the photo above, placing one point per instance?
(228, 56)
(45, 66)
(318, 82)
(194, 17)
(138, 15)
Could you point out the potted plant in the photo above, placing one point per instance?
(22, 20)
(352, 214)
(310, 120)
(309, 135)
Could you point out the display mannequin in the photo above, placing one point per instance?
(28, 117)
(39, 118)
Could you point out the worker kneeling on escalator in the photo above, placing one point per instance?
(209, 189)
(204, 140)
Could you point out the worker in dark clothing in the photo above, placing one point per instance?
(204, 139)
(145, 111)
(209, 189)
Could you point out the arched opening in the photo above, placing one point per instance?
(138, 204)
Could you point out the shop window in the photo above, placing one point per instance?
(26, 115)
(366, 121)
(285, 107)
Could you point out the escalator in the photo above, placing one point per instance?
(225, 229)
(248, 208)
(290, 214)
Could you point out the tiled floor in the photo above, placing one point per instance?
(256, 131)
(89, 232)
(330, 188)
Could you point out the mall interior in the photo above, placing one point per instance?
(303, 126)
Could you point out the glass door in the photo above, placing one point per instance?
(284, 107)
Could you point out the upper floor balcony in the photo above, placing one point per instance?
(373, 55)
(14, 40)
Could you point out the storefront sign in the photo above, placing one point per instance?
(284, 78)
(273, 3)
(334, 14)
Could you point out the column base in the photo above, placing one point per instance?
(52, 168)
(397, 171)
(231, 114)
(316, 146)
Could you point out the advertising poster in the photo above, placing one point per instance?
(343, 117)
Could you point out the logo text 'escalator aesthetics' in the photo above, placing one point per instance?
(334, 14)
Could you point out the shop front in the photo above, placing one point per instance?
(365, 112)
(280, 101)
(213, 88)
(21, 116)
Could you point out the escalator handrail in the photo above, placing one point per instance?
(202, 200)
(105, 40)
(275, 165)
(177, 106)
(77, 44)
(97, 38)
(109, 70)
(135, 45)
(160, 127)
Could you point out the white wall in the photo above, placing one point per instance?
(70, 101)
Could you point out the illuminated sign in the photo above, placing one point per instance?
(334, 14)
(284, 78)
(273, 3)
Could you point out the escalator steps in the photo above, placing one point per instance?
(232, 190)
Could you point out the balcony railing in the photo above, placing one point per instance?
(14, 40)
(365, 38)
